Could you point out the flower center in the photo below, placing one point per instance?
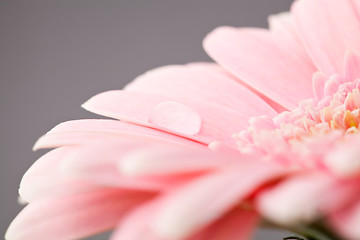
(308, 135)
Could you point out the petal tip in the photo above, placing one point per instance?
(37, 145)
(211, 37)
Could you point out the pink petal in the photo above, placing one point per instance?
(319, 80)
(93, 130)
(73, 217)
(97, 163)
(183, 119)
(343, 160)
(169, 160)
(332, 85)
(137, 225)
(303, 198)
(43, 180)
(264, 61)
(237, 224)
(346, 222)
(283, 24)
(329, 28)
(352, 66)
(70, 170)
(205, 82)
(218, 122)
(210, 197)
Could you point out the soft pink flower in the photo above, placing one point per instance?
(202, 150)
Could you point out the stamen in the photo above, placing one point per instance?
(307, 131)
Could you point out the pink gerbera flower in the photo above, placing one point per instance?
(268, 135)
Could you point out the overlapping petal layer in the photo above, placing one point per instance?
(246, 53)
(74, 216)
(187, 156)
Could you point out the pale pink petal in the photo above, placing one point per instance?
(303, 198)
(352, 66)
(356, 5)
(344, 160)
(283, 24)
(97, 163)
(346, 222)
(236, 224)
(328, 28)
(319, 80)
(93, 130)
(69, 170)
(260, 108)
(193, 206)
(171, 160)
(73, 217)
(217, 122)
(73, 138)
(332, 85)
(43, 180)
(223, 148)
(199, 81)
(275, 66)
(137, 225)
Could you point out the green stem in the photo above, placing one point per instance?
(315, 231)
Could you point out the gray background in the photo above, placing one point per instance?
(54, 55)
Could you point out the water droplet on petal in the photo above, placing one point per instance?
(176, 117)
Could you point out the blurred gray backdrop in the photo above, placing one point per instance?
(54, 55)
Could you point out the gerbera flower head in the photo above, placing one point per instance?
(268, 133)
